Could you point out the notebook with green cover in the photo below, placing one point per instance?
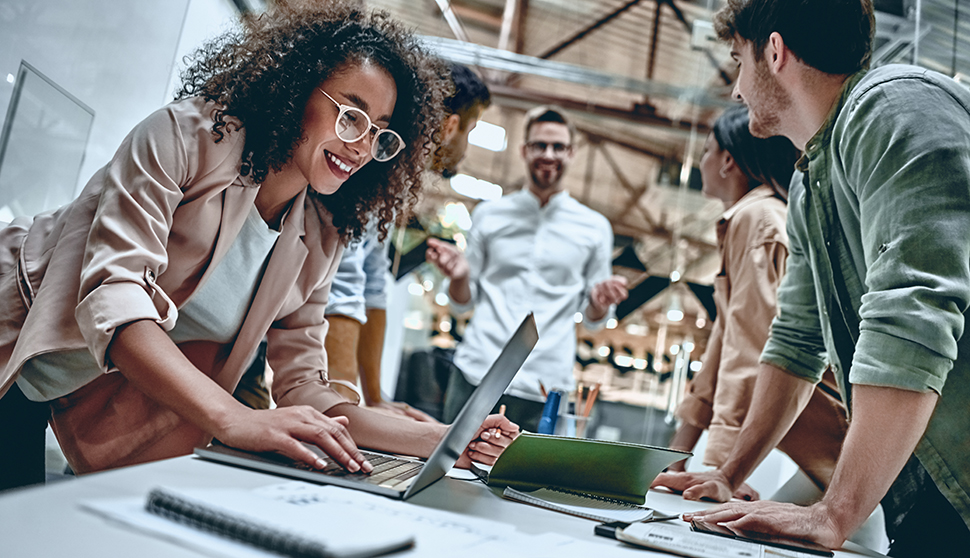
(597, 468)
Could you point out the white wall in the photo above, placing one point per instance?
(116, 56)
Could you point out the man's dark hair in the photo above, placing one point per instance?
(548, 113)
(833, 36)
(768, 161)
(470, 93)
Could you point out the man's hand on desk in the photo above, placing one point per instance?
(495, 434)
(811, 523)
(706, 485)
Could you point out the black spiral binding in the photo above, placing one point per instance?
(189, 513)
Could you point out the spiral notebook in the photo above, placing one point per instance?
(274, 526)
(604, 510)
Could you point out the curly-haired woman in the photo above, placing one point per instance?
(128, 316)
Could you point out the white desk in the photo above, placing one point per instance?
(47, 522)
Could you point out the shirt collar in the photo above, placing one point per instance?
(823, 136)
(756, 194)
(555, 200)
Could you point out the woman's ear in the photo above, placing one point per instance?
(727, 165)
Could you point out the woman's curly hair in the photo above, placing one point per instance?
(264, 73)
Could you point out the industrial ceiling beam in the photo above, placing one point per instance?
(452, 19)
(501, 92)
(508, 20)
(505, 61)
(589, 29)
(654, 39)
(635, 193)
(707, 52)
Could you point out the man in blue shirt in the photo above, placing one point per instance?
(878, 280)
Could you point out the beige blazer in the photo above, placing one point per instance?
(137, 242)
(754, 245)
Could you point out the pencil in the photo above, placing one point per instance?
(591, 399)
(542, 390)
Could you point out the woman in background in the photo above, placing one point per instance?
(128, 316)
(750, 176)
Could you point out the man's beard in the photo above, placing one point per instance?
(445, 161)
(771, 99)
(543, 184)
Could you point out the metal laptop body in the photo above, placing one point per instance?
(406, 476)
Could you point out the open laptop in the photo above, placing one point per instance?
(394, 476)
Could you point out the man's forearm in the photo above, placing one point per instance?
(459, 290)
(595, 313)
(887, 423)
(370, 349)
(778, 399)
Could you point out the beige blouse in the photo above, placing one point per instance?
(753, 246)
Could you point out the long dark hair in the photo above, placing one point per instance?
(263, 74)
(768, 161)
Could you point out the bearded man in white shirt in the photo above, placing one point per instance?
(536, 250)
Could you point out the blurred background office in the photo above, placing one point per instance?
(643, 80)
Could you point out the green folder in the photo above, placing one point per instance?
(598, 468)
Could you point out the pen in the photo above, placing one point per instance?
(497, 432)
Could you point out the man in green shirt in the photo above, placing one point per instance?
(877, 283)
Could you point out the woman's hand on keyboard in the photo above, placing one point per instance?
(495, 434)
(285, 428)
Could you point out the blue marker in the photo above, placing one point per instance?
(547, 424)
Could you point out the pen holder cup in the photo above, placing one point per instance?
(572, 425)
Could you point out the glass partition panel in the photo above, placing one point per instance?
(41, 146)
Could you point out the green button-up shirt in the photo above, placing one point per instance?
(878, 281)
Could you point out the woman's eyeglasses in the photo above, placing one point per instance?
(353, 125)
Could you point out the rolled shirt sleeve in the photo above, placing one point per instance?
(911, 171)
(295, 351)
(126, 245)
(796, 344)
(376, 264)
(597, 270)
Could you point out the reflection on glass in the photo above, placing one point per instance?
(42, 145)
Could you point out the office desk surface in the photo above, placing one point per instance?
(47, 521)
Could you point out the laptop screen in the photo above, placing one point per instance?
(481, 402)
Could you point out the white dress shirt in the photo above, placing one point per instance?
(526, 258)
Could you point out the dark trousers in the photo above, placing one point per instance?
(22, 439)
(931, 526)
(523, 412)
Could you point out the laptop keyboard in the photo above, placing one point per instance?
(389, 472)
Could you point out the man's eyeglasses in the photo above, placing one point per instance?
(353, 124)
(536, 148)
